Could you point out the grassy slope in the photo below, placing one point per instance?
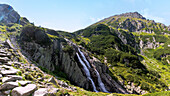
(119, 70)
(151, 63)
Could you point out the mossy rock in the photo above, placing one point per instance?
(31, 33)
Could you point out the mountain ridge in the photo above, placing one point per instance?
(123, 54)
(8, 14)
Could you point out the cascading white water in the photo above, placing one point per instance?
(98, 75)
(87, 72)
(84, 58)
(100, 82)
(94, 87)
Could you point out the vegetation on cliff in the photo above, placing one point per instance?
(135, 50)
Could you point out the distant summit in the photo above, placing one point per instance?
(132, 14)
(133, 22)
(8, 14)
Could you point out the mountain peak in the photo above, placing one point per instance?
(132, 14)
(8, 14)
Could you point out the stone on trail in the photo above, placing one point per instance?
(41, 92)
(8, 86)
(4, 59)
(24, 91)
(24, 82)
(9, 72)
(12, 78)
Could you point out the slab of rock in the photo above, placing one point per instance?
(12, 78)
(3, 51)
(24, 91)
(7, 92)
(3, 55)
(53, 91)
(46, 92)
(52, 80)
(41, 92)
(7, 67)
(8, 14)
(4, 59)
(9, 72)
(8, 86)
(24, 82)
(9, 63)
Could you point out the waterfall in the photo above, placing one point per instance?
(100, 82)
(84, 58)
(87, 72)
(86, 65)
(98, 75)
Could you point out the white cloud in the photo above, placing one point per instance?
(148, 15)
(94, 20)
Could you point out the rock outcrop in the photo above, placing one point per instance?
(132, 15)
(52, 57)
(8, 14)
(169, 28)
(134, 22)
(57, 56)
(24, 79)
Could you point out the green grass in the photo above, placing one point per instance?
(3, 37)
(165, 93)
(163, 70)
(52, 36)
(142, 33)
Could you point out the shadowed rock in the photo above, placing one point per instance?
(8, 86)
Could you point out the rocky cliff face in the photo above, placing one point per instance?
(134, 22)
(8, 14)
(55, 56)
(132, 15)
(150, 44)
(24, 79)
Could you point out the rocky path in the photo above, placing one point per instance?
(22, 79)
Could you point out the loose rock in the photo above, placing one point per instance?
(24, 91)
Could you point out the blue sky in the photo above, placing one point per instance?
(72, 15)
